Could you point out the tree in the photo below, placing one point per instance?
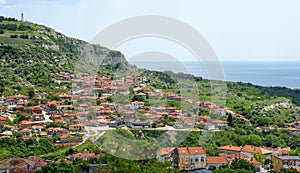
(229, 119)
(242, 164)
(260, 157)
(61, 167)
(31, 93)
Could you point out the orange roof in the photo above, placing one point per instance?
(164, 151)
(252, 149)
(25, 130)
(2, 118)
(216, 160)
(255, 162)
(230, 148)
(191, 150)
(26, 137)
(83, 155)
(77, 125)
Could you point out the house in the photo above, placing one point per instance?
(229, 149)
(2, 120)
(143, 95)
(83, 156)
(10, 164)
(285, 162)
(36, 110)
(37, 117)
(139, 124)
(137, 90)
(65, 97)
(25, 132)
(216, 162)
(164, 154)
(173, 96)
(136, 105)
(76, 127)
(250, 150)
(189, 158)
(115, 124)
(38, 162)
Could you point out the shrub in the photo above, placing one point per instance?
(14, 36)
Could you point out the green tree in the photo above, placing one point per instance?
(242, 164)
(61, 167)
(31, 93)
(229, 119)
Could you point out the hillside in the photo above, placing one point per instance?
(34, 54)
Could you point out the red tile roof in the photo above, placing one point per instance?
(252, 149)
(83, 155)
(216, 160)
(191, 150)
(165, 151)
(230, 148)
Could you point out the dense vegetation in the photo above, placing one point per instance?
(24, 148)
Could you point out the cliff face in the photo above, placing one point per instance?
(34, 53)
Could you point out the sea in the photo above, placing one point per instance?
(269, 73)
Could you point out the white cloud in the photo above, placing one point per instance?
(2, 1)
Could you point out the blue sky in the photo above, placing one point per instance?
(238, 30)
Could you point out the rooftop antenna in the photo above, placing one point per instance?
(22, 16)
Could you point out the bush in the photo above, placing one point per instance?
(14, 36)
(24, 27)
(24, 36)
(1, 32)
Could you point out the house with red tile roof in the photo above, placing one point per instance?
(2, 120)
(229, 149)
(83, 156)
(13, 163)
(38, 162)
(76, 127)
(164, 154)
(189, 158)
(216, 162)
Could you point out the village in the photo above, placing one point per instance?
(92, 106)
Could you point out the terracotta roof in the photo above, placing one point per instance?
(216, 160)
(19, 170)
(164, 151)
(230, 148)
(297, 168)
(2, 118)
(191, 150)
(83, 155)
(25, 130)
(38, 162)
(252, 149)
(13, 163)
(255, 162)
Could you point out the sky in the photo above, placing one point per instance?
(237, 30)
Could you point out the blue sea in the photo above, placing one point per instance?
(275, 73)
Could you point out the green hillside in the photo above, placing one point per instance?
(35, 54)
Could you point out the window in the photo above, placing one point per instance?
(192, 160)
(182, 160)
(197, 159)
(202, 159)
(285, 163)
(187, 160)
